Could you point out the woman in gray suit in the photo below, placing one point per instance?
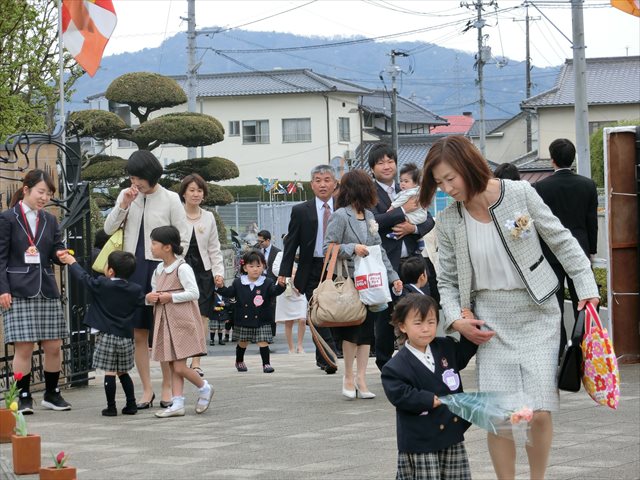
(354, 228)
(491, 261)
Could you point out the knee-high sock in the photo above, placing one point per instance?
(51, 381)
(240, 353)
(23, 384)
(127, 386)
(264, 353)
(110, 390)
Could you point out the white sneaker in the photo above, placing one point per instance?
(204, 398)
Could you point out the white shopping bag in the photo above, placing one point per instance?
(370, 278)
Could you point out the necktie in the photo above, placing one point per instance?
(429, 359)
(325, 218)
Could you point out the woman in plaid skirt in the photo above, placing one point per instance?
(177, 333)
(430, 437)
(29, 296)
(252, 313)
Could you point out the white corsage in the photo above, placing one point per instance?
(520, 227)
(373, 226)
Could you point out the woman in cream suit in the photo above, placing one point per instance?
(204, 253)
(354, 227)
(491, 261)
(141, 208)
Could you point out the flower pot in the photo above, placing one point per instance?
(26, 454)
(53, 473)
(7, 424)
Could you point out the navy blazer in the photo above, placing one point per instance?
(302, 232)
(411, 387)
(387, 220)
(113, 302)
(245, 312)
(21, 279)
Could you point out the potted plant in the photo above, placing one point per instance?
(7, 420)
(26, 448)
(59, 471)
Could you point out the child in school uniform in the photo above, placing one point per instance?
(114, 301)
(218, 318)
(177, 333)
(413, 273)
(430, 437)
(252, 312)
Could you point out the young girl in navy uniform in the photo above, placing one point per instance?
(430, 437)
(252, 313)
(177, 333)
(218, 318)
(29, 296)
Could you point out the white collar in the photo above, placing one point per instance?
(417, 288)
(564, 168)
(245, 280)
(27, 209)
(171, 267)
(417, 352)
(386, 187)
(320, 203)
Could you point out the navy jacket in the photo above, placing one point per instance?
(387, 220)
(411, 386)
(113, 302)
(21, 279)
(245, 312)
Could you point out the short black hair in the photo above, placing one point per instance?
(122, 263)
(378, 152)
(144, 164)
(412, 268)
(266, 234)
(251, 256)
(413, 170)
(422, 304)
(168, 235)
(563, 152)
(507, 171)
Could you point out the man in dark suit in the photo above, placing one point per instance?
(306, 232)
(270, 252)
(574, 200)
(383, 162)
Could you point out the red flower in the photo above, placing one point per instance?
(17, 376)
(600, 385)
(607, 347)
(612, 400)
(60, 457)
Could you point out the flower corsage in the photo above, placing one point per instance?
(520, 227)
(373, 226)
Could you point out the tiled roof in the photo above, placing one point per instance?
(407, 111)
(269, 82)
(412, 148)
(614, 80)
(458, 124)
(489, 126)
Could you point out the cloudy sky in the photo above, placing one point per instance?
(608, 31)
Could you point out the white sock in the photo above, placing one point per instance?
(205, 388)
(178, 403)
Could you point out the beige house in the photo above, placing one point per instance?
(506, 139)
(278, 124)
(613, 94)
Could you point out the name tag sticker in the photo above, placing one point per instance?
(451, 379)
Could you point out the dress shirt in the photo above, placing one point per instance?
(391, 191)
(32, 216)
(425, 358)
(187, 279)
(317, 251)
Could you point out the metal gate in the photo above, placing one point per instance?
(19, 154)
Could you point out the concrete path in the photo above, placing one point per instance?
(294, 424)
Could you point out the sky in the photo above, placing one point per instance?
(608, 31)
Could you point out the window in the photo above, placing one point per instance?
(368, 119)
(234, 128)
(125, 143)
(595, 126)
(344, 130)
(255, 131)
(296, 130)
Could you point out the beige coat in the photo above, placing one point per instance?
(208, 242)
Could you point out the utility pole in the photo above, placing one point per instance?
(580, 90)
(527, 19)
(191, 67)
(394, 71)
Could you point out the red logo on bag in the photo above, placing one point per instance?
(361, 282)
(375, 280)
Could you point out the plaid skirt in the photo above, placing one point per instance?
(216, 324)
(113, 353)
(449, 464)
(34, 319)
(253, 334)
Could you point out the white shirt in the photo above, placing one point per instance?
(32, 217)
(187, 279)
(391, 191)
(426, 357)
(317, 251)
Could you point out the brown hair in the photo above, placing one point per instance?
(413, 302)
(464, 158)
(188, 180)
(357, 189)
(30, 180)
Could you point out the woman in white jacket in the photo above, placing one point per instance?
(141, 208)
(203, 254)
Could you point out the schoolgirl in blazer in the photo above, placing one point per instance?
(17, 277)
(248, 312)
(411, 386)
(520, 216)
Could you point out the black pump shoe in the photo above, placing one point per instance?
(146, 405)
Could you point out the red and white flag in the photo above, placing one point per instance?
(86, 28)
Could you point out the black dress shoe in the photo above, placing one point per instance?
(110, 412)
(130, 409)
(321, 366)
(330, 370)
(147, 405)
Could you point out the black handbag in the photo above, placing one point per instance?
(570, 371)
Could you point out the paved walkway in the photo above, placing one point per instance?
(294, 424)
